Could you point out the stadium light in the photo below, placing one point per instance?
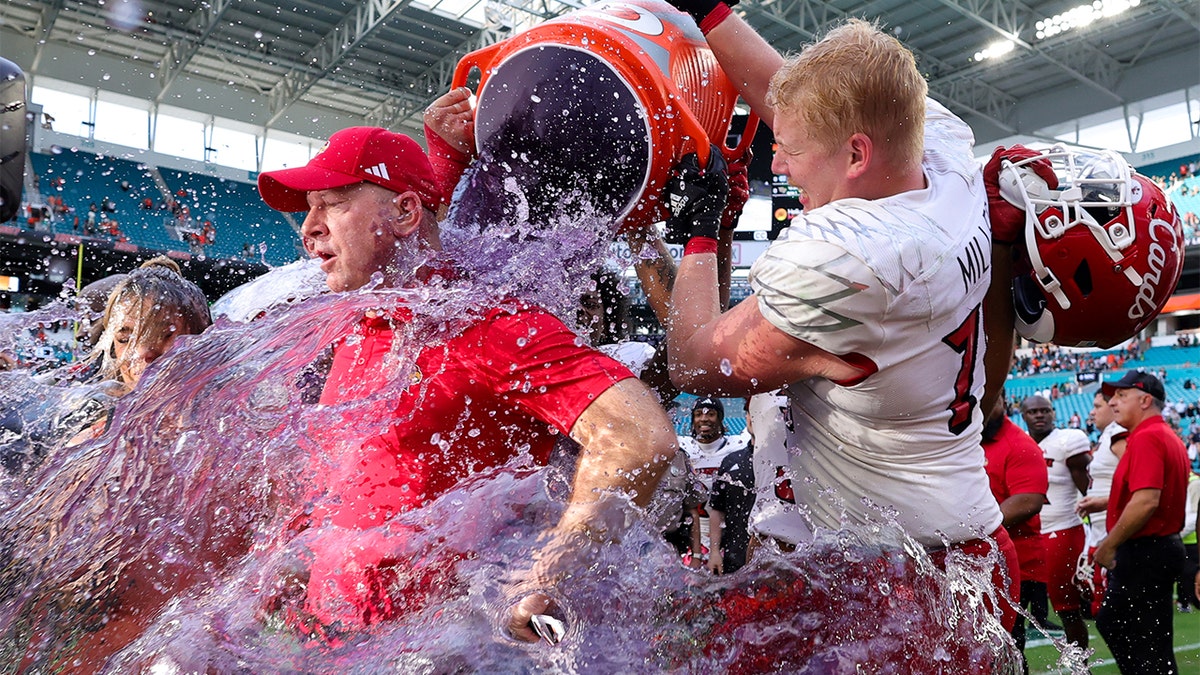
(995, 50)
(1082, 15)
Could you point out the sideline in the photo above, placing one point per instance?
(1043, 642)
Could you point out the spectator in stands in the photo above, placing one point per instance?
(1017, 475)
(1066, 452)
(208, 234)
(1142, 551)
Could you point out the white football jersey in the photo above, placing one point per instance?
(896, 285)
(775, 512)
(706, 461)
(1062, 495)
(1102, 468)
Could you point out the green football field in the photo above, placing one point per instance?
(1043, 656)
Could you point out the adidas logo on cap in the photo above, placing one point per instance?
(379, 170)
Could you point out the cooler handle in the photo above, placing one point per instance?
(747, 137)
(480, 58)
(695, 132)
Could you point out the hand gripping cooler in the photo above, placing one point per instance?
(609, 98)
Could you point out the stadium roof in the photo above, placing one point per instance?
(311, 67)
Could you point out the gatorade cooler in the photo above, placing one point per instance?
(608, 98)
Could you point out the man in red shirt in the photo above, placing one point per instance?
(501, 381)
(1142, 551)
(1018, 477)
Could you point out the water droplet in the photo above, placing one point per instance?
(726, 367)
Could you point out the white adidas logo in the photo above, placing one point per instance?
(379, 170)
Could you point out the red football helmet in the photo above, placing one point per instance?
(1105, 248)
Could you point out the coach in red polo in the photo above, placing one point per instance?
(1142, 551)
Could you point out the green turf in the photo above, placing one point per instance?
(1042, 659)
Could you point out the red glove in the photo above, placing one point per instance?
(739, 190)
(1008, 219)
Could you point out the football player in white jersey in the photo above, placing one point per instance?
(868, 308)
(706, 448)
(1067, 453)
(1105, 455)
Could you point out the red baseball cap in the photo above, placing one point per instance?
(354, 155)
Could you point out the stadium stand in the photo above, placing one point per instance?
(139, 198)
(1181, 366)
(239, 214)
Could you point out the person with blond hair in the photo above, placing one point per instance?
(868, 308)
(146, 311)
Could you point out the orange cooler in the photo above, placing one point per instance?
(611, 96)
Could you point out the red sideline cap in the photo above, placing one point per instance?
(1136, 380)
(354, 155)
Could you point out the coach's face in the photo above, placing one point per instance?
(1128, 406)
(353, 231)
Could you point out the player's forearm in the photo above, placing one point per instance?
(695, 303)
(999, 321)
(1081, 478)
(655, 270)
(724, 267)
(716, 527)
(1021, 507)
(748, 60)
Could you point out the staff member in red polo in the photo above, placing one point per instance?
(1142, 551)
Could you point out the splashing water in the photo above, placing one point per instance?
(210, 461)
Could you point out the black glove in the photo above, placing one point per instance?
(696, 198)
(699, 9)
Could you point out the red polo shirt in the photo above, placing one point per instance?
(1015, 465)
(510, 383)
(1154, 458)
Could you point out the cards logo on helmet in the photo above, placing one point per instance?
(1145, 301)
